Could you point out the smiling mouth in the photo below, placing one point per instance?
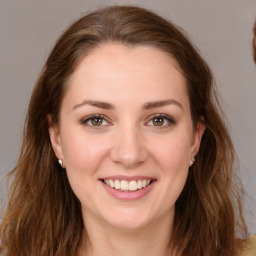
(126, 186)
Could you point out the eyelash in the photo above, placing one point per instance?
(167, 118)
(89, 118)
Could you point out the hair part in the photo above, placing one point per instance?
(43, 215)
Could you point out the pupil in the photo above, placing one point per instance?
(97, 121)
(158, 121)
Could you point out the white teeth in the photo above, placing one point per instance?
(124, 185)
(117, 184)
(111, 183)
(139, 184)
(133, 185)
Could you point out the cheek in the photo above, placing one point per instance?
(83, 154)
(172, 153)
(172, 157)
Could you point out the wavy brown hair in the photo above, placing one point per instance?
(43, 216)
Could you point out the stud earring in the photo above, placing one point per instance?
(192, 161)
(60, 162)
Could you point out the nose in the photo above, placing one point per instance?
(129, 148)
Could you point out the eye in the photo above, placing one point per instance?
(95, 121)
(161, 120)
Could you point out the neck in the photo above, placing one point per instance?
(100, 239)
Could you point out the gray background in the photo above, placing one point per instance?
(221, 29)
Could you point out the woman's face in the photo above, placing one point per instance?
(126, 136)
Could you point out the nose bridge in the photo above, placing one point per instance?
(129, 147)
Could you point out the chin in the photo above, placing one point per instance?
(129, 219)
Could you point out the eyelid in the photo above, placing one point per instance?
(86, 119)
(168, 118)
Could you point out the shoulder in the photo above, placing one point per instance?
(249, 248)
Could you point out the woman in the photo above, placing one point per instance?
(125, 150)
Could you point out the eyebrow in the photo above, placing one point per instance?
(98, 104)
(147, 105)
(162, 103)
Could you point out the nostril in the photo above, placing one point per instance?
(128, 156)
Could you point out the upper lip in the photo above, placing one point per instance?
(128, 178)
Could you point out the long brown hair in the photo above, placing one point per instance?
(43, 215)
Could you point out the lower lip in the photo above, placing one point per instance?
(129, 195)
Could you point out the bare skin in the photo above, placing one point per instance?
(152, 240)
(125, 120)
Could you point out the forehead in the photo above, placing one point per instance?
(116, 71)
(125, 55)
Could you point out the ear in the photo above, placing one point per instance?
(198, 134)
(54, 134)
